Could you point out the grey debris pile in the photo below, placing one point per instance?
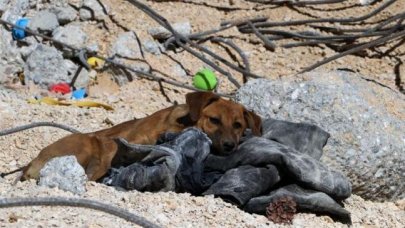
(12, 10)
(70, 34)
(76, 3)
(46, 63)
(64, 14)
(126, 46)
(124, 76)
(3, 5)
(44, 21)
(127, 50)
(152, 47)
(82, 79)
(92, 9)
(45, 66)
(367, 133)
(161, 33)
(10, 61)
(64, 173)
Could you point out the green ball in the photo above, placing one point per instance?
(205, 80)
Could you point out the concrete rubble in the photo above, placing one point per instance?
(45, 66)
(44, 22)
(367, 137)
(64, 173)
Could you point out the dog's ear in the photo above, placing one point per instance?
(254, 122)
(197, 101)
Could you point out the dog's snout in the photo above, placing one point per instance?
(228, 146)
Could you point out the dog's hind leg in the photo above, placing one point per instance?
(105, 150)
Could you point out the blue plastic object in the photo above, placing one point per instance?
(79, 94)
(17, 33)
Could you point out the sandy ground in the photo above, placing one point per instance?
(140, 98)
(167, 209)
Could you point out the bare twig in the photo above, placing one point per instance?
(356, 49)
(296, 3)
(322, 20)
(267, 43)
(315, 36)
(238, 50)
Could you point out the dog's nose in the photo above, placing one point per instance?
(229, 146)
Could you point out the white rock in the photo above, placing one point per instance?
(64, 173)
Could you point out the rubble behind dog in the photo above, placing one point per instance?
(63, 20)
(365, 121)
(42, 63)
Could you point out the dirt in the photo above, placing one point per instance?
(281, 62)
(141, 97)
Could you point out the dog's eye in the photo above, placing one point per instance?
(215, 121)
(237, 125)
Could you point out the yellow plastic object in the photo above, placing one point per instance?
(46, 100)
(95, 62)
(81, 103)
(91, 104)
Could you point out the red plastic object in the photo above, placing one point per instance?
(62, 88)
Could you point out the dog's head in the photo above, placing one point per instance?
(222, 120)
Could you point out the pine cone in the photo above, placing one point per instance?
(282, 210)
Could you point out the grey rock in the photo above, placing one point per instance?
(25, 51)
(97, 11)
(45, 66)
(364, 119)
(4, 5)
(10, 59)
(58, 3)
(122, 77)
(177, 70)
(126, 46)
(161, 33)
(70, 34)
(64, 173)
(64, 14)
(85, 14)
(152, 47)
(92, 48)
(13, 10)
(76, 3)
(140, 66)
(44, 21)
(82, 79)
(366, 2)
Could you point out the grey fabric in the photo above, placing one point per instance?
(303, 168)
(305, 138)
(283, 161)
(243, 183)
(182, 155)
(305, 199)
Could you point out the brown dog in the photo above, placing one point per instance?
(223, 121)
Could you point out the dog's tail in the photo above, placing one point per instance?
(37, 124)
(2, 175)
